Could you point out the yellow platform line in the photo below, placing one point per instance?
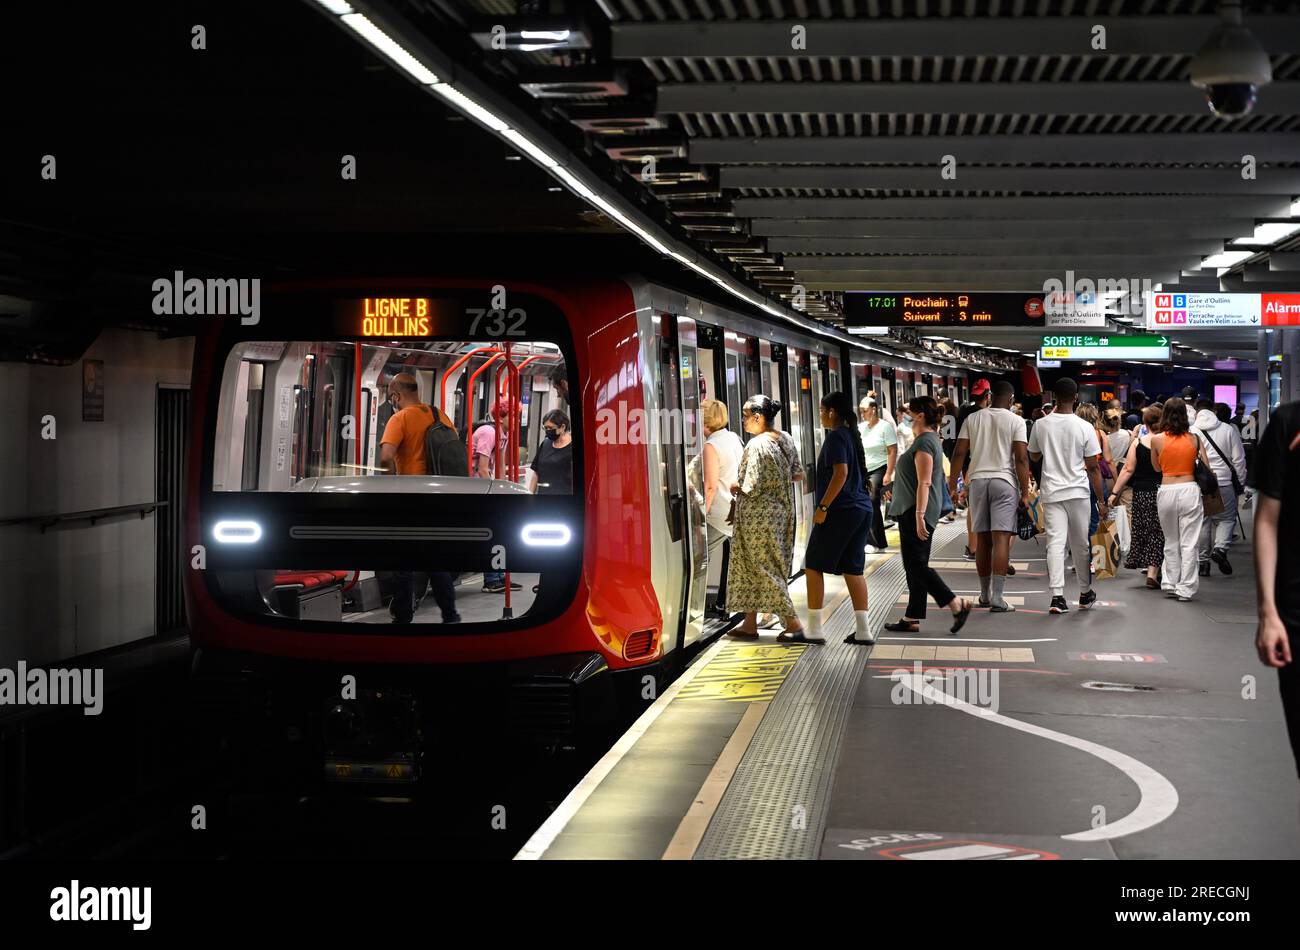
(690, 831)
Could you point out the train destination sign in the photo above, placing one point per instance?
(395, 316)
(941, 309)
(1089, 347)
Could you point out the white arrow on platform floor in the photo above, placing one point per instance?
(1159, 798)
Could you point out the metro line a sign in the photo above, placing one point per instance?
(1174, 311)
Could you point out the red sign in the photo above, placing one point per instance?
(1280, 310)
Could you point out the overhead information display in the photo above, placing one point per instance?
(1170, 311)
(1090, 347)
(941, 309)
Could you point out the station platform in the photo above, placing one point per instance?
(1142, 728)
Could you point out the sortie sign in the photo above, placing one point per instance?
(1087, 347)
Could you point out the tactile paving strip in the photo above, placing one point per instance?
(775, 806)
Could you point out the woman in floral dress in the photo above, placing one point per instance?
(762, 545)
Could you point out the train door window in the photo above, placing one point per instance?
(691, 438)
(673, 476)
(813, 417)
(734, 383)
(252, 428)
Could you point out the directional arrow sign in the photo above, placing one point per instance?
(1065, 346)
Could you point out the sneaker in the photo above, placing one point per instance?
(1087, 599)
(968, 554)
(1058, 606)
(494, 588)
(1011, 571)
(1184, 599)
(1204, 569)
(872, 549)
(453, 618)
(1220, 557)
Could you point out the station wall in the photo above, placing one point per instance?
(81, 588)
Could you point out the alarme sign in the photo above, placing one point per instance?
(1170, 311)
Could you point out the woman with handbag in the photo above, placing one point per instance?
(1146, 550)
(1180, 502)
(915, 501)
(762, 543)
(721, 470)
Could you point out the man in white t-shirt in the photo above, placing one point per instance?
(1068, 448)
(997, 482)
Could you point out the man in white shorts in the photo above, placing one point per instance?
(998, 484)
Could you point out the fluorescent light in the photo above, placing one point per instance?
(577, 187)
(389, 47)
(556, 35)
(237, 532)
(468, 106)
(546, 535)
(336, 7)
(1269, 233)
(1295, 208)
(1226, 259)
(529, 148)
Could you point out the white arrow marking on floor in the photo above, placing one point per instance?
(1159, 798)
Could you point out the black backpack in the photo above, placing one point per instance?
(444, 452)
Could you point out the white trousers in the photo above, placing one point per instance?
(1067, 521)
(1181, 514)
(1219, 529)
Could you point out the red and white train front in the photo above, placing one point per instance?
(298, 532)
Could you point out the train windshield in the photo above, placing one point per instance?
(419, 481)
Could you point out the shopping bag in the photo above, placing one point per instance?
(1036, 510)
(1105, 551)
(1122, 528)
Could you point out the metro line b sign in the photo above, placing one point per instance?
(1172, 311)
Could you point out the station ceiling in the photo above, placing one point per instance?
(822, 166)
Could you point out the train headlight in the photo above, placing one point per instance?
(237, 532)
(546, 535)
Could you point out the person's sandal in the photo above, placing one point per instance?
(903, 626)
(797, 636)
(739, 634)
(960, 618)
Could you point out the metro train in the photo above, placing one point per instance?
(295, 529)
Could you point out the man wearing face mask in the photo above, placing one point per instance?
(551, 472)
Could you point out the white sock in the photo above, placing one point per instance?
(863, 630)
(814, 623)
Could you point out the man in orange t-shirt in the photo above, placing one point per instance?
(401, 452)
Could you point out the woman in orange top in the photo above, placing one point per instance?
(1174, 453)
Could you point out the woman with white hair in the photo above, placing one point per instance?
(880, 444)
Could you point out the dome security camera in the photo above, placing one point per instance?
(1231, 66)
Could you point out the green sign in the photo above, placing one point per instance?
(1080, 346)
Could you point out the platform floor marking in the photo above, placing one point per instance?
(972, 639)
(744, 672)
(550, 829)
(696, 820)
(951, 639)
(1159, 798)
(1015, 600)
(964, 565)
(890, 651)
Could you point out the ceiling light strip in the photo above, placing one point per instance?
(364, 27)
